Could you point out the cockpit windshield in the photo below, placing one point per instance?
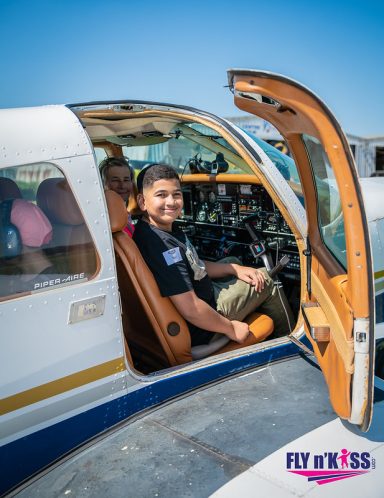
(190, 148)
(196, 148)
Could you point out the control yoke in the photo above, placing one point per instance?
(258, 249)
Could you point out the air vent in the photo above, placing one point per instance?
(152, 134)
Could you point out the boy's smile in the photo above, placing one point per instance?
(163, 202)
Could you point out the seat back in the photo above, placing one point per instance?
(71, 238)
(9, 189)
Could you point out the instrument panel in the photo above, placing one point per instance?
(229, 204)
(213, 218)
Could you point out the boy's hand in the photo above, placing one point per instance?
(240, 331)
(252, 276)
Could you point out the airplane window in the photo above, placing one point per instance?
(330, 215)
(44, 241)
(100, 154)
(189, 148)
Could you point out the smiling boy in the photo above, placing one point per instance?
(207, 306)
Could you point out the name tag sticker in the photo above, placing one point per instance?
(172, 256)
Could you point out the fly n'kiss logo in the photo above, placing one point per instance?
(329, 466)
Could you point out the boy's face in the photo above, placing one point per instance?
(163, 202)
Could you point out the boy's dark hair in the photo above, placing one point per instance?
(110, 162)
(153, 172)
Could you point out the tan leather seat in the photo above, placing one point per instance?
(71, 237)
(152, 325)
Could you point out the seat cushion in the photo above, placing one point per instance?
(260, 326)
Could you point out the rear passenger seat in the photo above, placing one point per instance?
(9, 189)
(71, 244)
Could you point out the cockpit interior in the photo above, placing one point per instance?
(227, 210)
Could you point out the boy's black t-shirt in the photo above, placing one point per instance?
(176, 267)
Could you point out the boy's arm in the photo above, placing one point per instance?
(252, 276)
(200, 314)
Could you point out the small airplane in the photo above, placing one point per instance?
(91, 342)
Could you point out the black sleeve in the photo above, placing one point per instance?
(171, 277)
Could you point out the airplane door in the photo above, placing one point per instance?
(338, 306)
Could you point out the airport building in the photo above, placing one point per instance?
(368, 151)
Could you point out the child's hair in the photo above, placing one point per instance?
(153, 172)
(110, 162)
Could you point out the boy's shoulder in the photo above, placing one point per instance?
(145, 231)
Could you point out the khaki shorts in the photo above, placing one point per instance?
(236, 299)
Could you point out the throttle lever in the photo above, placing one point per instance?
(280, 265)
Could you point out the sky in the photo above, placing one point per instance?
(67, 51)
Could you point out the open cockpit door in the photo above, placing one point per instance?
(338, 306)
